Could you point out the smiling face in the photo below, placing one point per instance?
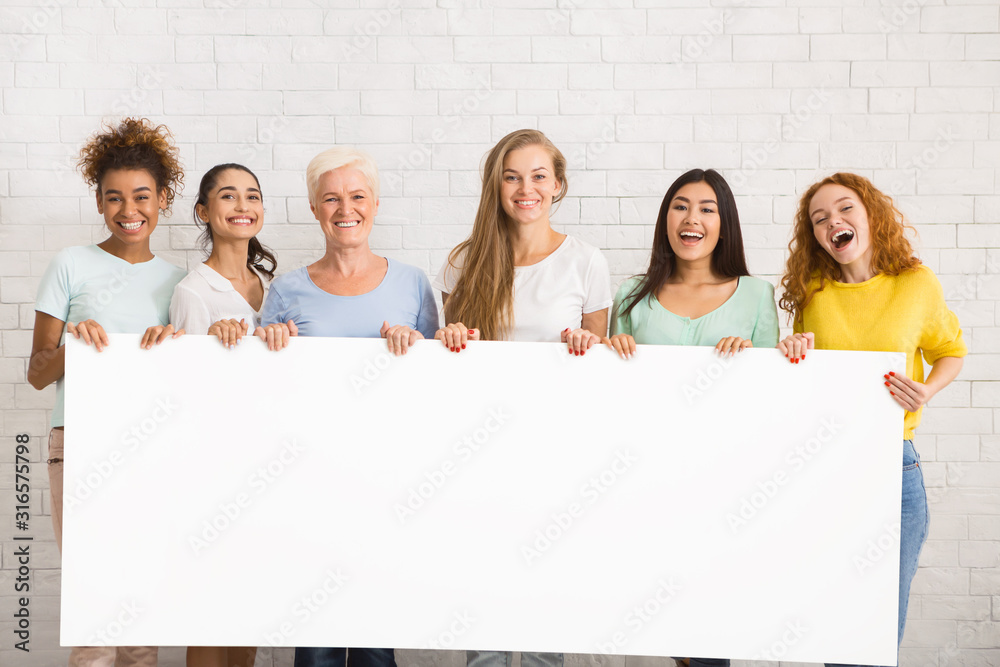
(840, 225)
(131, 205)
(529, 184)
(234, 208)
(693, 223)
(345, 207)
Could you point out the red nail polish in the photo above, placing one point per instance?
(583, 353)
(803, 356)
(471, 332)
(463, 346)
(892, 373)
(887, 384)
(892, 393)
(886, 376)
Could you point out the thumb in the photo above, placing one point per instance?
(385, 327)
(292, 329)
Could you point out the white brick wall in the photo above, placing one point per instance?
(634, 91)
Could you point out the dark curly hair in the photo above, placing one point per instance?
(135, 143)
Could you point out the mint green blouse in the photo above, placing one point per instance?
(749, 313)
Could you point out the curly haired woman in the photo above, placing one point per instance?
(116, 286)
(852, 282)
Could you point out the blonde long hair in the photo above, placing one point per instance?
(891, 251)
(483, 297)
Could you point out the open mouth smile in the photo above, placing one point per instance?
(842, 238)
(240, 220)
(691, 237)
(346, 224)
(131, 225)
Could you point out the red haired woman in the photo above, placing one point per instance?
(852, 282)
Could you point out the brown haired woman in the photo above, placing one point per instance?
(116, 286)
(516, 278)
(852, 282)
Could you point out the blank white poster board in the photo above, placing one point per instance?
(508, 497)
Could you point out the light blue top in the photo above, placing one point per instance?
(403, 297)
(87, 283)
(749, 313)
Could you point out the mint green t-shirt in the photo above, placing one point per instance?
(749, 313)
(87, 283)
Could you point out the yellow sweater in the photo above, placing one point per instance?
(904, 313)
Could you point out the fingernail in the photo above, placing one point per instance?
(892, 393)
(803, 356)
(565, 330)
(463, 346)
(892, 373)
(471, 332)
(887, 384)
(886, 376)
(583, 353)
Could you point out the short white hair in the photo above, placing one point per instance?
(337, 157)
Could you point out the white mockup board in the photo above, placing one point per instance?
(508, 497)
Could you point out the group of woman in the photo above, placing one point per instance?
(852, 282)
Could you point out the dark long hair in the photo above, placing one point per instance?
(728, 258)
(257, 253)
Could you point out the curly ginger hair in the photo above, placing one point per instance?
(892, 252)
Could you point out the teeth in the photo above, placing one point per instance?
(131, 226)
(695, 235)
(526, 202)
(241, 221)
(842, 233)
(347, 223)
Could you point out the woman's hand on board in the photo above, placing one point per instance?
(731, 345)
(456, 335)
(578, 341)
(623, 344)
(910, 394)
(158, 334)
(90, 332)
(794, 347)
(277, 335)
(399, 337)
(229, 332)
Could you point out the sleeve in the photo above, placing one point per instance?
(188, 311)
(447, 277)
(597, 284)
(54, 290)
(274, 309)
(765, 331)
(941, 335)
(622, 324)
(427, 318)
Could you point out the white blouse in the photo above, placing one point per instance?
(205, 296)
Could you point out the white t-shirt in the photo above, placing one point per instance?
(205, 296)
(553, 294)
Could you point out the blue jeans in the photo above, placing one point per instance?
(505, 658)
(341, 657)
(914, 521)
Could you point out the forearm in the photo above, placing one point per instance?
(942, 373)
(46, 366)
